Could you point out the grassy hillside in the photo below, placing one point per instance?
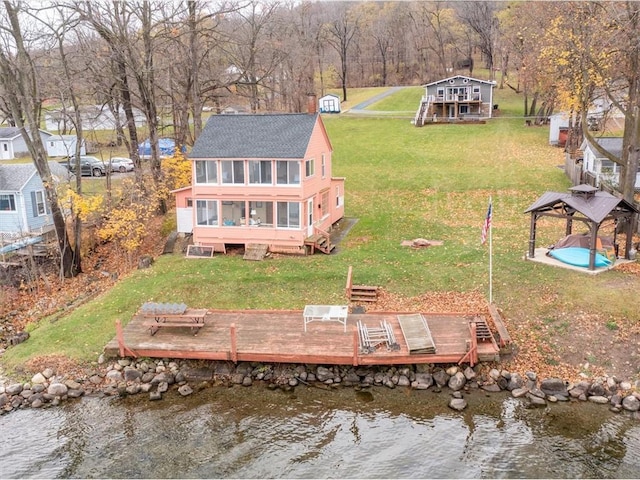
(402, 183)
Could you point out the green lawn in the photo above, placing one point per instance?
(402, 183)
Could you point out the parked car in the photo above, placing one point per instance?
(121, 164)
(90, 166)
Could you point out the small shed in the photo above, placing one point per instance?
(330, 103)
(558, 129)
(64, 146)
(588, 205)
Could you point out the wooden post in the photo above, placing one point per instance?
(472, 354)
(234, 344)
(532, 236)
(123, 349)
(473, 360)
(120, 337)
(349, 282)
(355, 344)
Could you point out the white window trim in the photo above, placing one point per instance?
(309, 167)
(207, 182)
(216, 208)
(15, 203)
(42, 201)
(289, 183)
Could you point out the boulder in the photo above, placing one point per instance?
(631, 403)
(554, 386)
(457, 381)
(57, 389)
(185, 390)
(458, 404)
(38, 379)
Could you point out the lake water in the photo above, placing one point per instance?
(314, 433)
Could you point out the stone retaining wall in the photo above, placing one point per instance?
(157, 377)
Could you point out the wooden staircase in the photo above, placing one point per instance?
(482, 329)
(360, 293)
(421, 115)
(319, 241)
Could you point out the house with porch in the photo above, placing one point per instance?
(455, 98)
(596, 168)
(25, 213)
(262, 180)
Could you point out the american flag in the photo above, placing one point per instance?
(487, 224)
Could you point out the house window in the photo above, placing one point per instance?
(7, 203)
(323, 166)
(261, 214)
(288, 215)
(324, 203)
(464, 109)
(206, 171)
(260, 172)
(232, 171)
(207, 212)
(5, 147)
(310, 167)
(288, 172)
(40, 206)
(233, 214)
(189, 202)
(337, 196)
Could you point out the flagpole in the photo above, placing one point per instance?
(491, 255)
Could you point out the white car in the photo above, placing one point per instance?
(121, 164)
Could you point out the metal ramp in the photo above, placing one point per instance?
(372, 337)
(416, 333)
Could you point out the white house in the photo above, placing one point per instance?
(94, 117)
(12, 145)
(329, 103)
(64, 146)
(600, 168)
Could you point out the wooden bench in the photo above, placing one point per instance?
(192, 318)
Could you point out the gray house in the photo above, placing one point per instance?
(455, 98)
(597, 168)
(24, 209)
(12, 144)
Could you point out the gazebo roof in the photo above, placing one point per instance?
(595, 205)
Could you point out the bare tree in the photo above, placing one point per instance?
(342, 26)
(21, 92)
(480, 17)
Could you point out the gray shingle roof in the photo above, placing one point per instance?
(594, 205)
(14, 176)
(255, 136)
(9, 132)
(611, 144)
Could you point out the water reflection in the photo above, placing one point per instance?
(311, 433)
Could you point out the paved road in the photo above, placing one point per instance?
(376, 98)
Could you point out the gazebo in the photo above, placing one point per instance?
(586, 204)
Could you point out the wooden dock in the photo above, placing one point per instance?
(279, 337)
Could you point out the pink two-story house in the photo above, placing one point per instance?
(262, 179)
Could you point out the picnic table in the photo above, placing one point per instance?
(325, 313)
(174, 315)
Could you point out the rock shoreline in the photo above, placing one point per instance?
(155, 378)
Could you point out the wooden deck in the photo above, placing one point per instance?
(279, 337)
